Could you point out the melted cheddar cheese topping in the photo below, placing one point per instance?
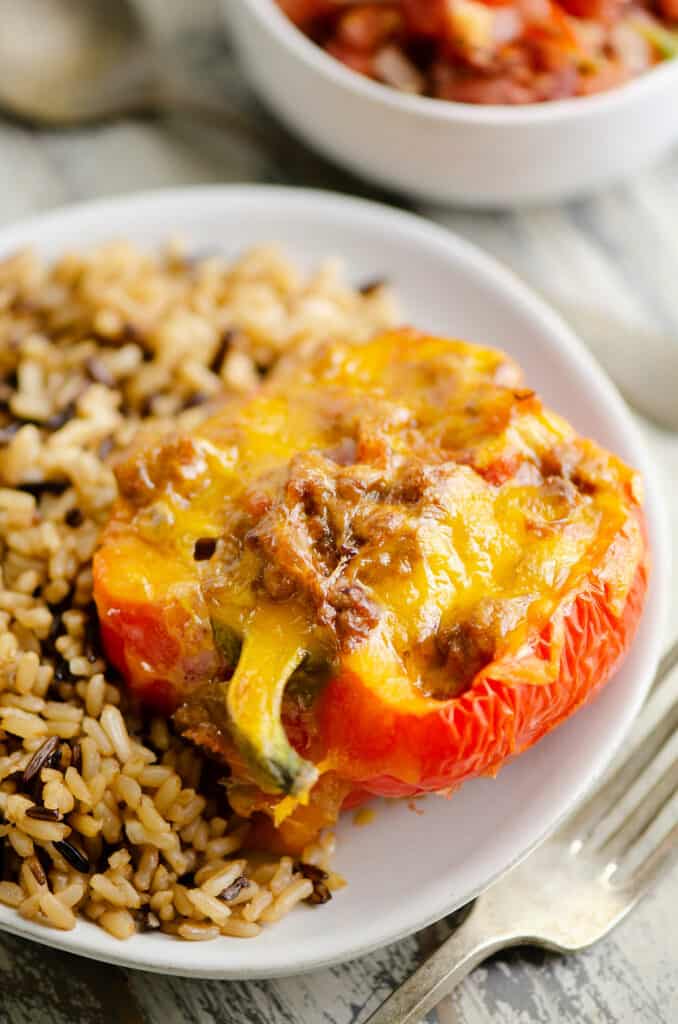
(405, 508)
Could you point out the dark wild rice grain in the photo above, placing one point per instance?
(39, 487)
(8, 432)
(59, 419)
(37, 870)
(321, 892)
(204, 549)
(99, 372)
(73, 856)
(372, 286)
(74, 518)
(43, 814)
(92, 642)
(40, 758)
(222, 348)
(235, 888)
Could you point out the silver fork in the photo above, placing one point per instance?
(574, 888)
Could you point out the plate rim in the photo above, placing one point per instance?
(501, 278)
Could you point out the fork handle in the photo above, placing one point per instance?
(474, 940)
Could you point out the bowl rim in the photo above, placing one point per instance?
(272, 19)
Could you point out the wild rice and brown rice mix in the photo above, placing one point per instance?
(102, 813)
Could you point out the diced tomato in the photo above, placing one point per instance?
(593, 10)
(424, 19)
(368, 27)
(357, 60)
(301, 12)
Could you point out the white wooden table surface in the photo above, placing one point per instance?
(610, 265)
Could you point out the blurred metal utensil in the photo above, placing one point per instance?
(67, 62)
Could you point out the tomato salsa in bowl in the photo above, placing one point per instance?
(493, 51)
(491, 153)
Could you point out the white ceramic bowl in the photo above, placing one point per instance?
(404, 869)
(453, 152)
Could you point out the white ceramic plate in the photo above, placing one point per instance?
(405, 870)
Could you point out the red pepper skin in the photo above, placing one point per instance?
(158, 635)
(475, 733)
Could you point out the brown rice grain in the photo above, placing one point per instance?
(91, 760)
(181, 901)
(65, 730)
(209, 906)
(94, 910)
(111, 822)
(26, 671)
(56, 796)
(30, 906)
(194, 932)
(32, 881)
(8, 647)
(176, 858)
(149, 816)
(37, 619)
(71, 894)
(239, 929)
(114, 725)
(92, 729)
(263, 873)
(22, 723)
(152, 777)
(282, 877)
(201, 835)
(102, 886)
(80, 666)
(253, 910)
(220, 880)
(95, 690)
(298, 890)
(224, 846)
(16, 807)
(97, 786)
(320, 852)
(148, 862)
(167, 913)
(161, 880)
(86, 824)
(134, 766)
(78, 786)
(58, 914)
(168, 791)
(58, 881)
(60, 711)
(45, 831)
(245, 895)
(128, 790)
(161, 899)
(140, 836)
(25, 702)
(11, 894)
(119, 923)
